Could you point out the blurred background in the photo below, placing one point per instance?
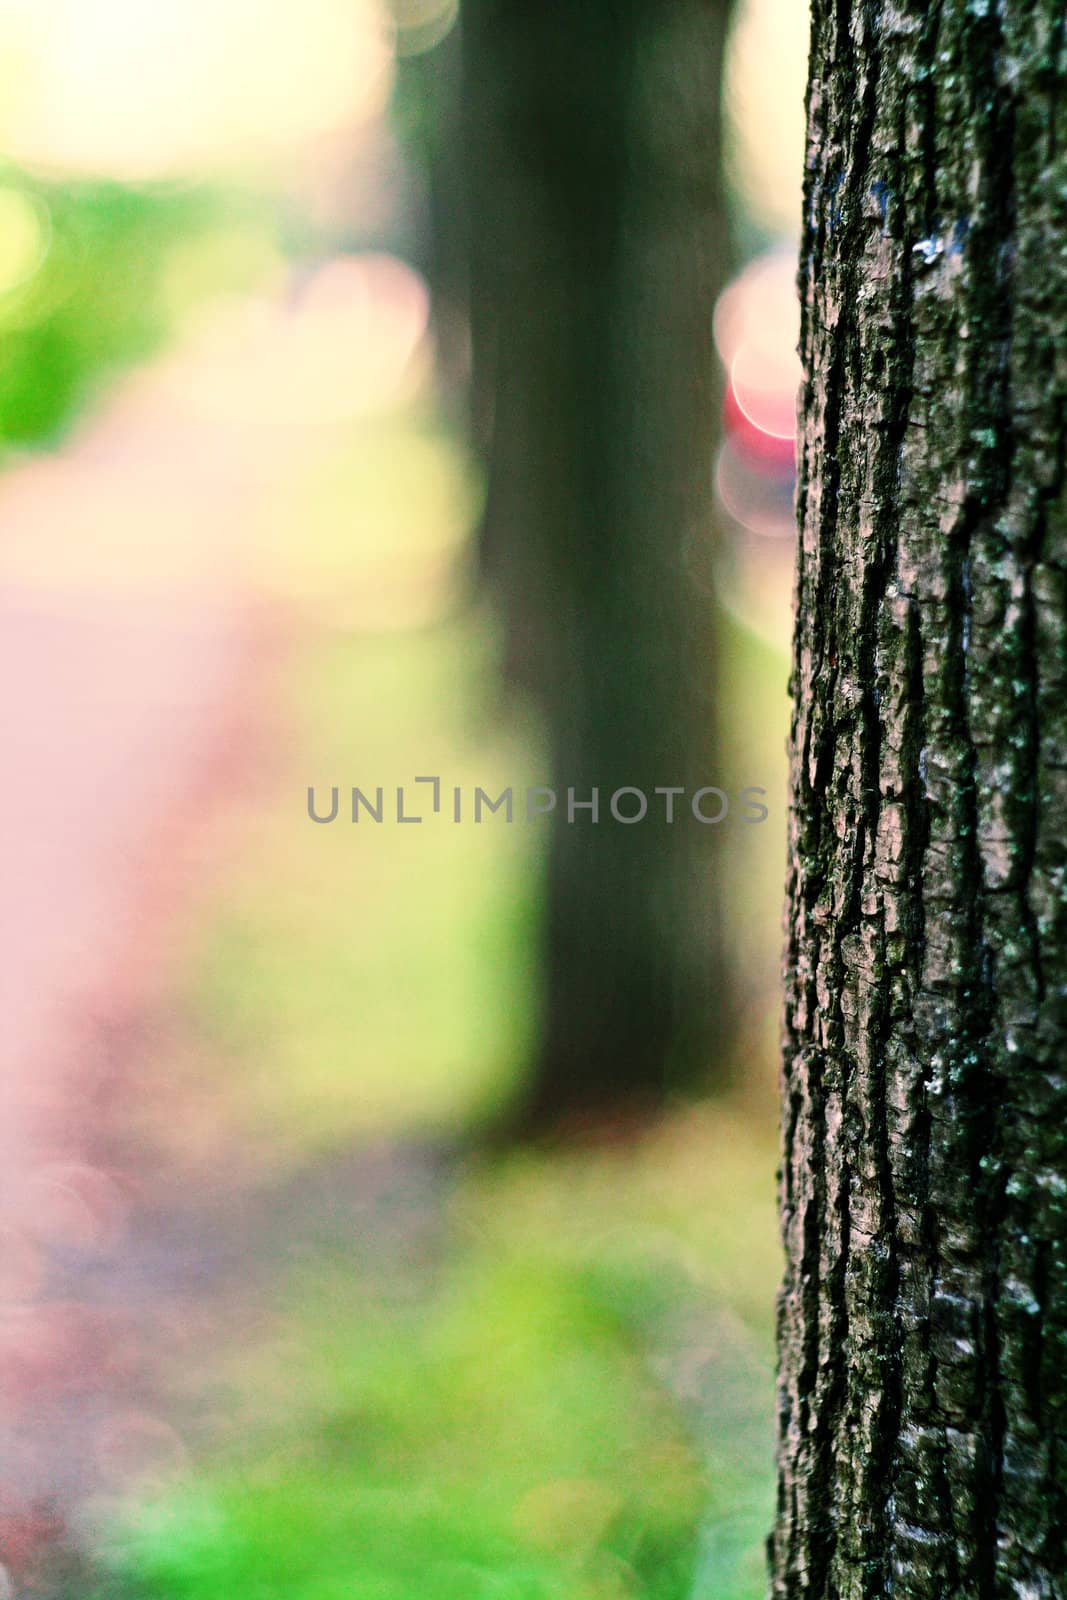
(390, 390)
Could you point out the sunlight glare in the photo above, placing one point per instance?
(139, 91)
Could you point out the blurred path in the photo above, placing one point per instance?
(134, 569)
(128, 644)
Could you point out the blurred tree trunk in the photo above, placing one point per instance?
(598, 227)
(427, 114)
(923, 1319)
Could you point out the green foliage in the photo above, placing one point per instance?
(86, 288)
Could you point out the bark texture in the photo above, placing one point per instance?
(598, 250)
(923, 1319)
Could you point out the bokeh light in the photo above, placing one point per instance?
(756, 328)
(181, 86)
(765, 80)
(25, 234)
(422, 24)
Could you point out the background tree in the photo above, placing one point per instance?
(597, 237)
(923, 1320)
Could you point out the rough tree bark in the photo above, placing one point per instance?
(598, 249)
(923, 1319)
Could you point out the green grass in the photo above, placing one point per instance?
(511, 1446)
(503, 1421)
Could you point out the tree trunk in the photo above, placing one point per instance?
(923, 1319)
(598, 250)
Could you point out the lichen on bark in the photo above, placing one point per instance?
(923, 1318)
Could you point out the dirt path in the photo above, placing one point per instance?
(128, 648)
(137, 566)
